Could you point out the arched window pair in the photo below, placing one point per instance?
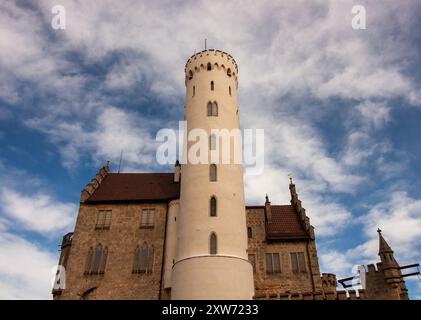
(212, 109)
(96, 260)
(212, 172)
(143, 259)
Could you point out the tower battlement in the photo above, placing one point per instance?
(213, 59)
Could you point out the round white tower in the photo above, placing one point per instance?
(211, 255)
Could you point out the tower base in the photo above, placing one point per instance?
(212, 278)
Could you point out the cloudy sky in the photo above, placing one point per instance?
(341, 110)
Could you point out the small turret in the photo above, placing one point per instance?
(268, 210)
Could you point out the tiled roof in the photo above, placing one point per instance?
(132, 187)
(285, 224)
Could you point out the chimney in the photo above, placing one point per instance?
(177, 172)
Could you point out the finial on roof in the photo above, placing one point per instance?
(383, 245)
(290, 178)
(267, 198)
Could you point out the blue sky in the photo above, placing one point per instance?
(341, 110)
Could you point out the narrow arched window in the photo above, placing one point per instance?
(213, 206)
(209, 66)
(229, 72)
(212, 172)
(89, 261)
(214, 109)
(97, 259)
(143, 258)
(136, 260)
(190, 75)
(229, 90)
(209, 109)
(212, 86)
(212, 142)
(103, 261)
(213, 244)
(194, 91)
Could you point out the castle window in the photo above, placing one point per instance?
(249, 232)
(143, 259)
(229, 90)
(298, 262)
(212, 172)
(147, 218)
(103, 261)
(252, 259)
(96, 260)
(103, 220)
(229, 72)
(213, 243)
(273, 263)
(212, 109)
(212, 86)
(209, 66)
(89, 260)
(194, 91)
(212, 142)
(190, 75)
(213, 206)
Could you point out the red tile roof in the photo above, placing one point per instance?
(285, 224)
(132, 187)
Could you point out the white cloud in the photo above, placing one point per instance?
(37, 212)
(25, 269)
(326, 215)
(114, 130)
(374, 114)
(399, 217)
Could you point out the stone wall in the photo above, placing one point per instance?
(118, 281)
(272, 285)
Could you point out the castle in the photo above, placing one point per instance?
(188, 234)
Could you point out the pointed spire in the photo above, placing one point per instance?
(383, 245)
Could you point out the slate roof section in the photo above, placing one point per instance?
(136, 187)
(285, 224)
